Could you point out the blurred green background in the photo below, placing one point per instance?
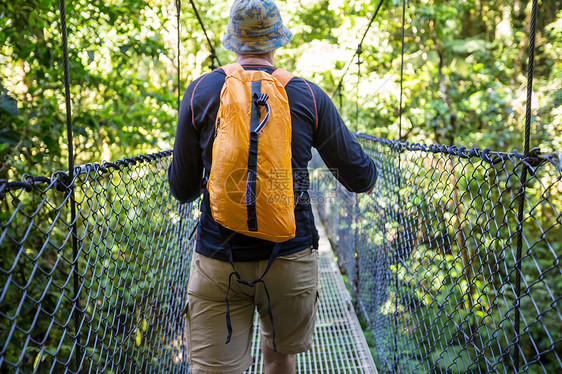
(464, 73)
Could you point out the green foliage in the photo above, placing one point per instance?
(464, 73)
(121, 89)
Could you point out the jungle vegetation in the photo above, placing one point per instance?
(464, 73)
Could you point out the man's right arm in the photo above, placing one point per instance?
(186, 168)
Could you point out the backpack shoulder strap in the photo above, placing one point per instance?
(232, 68)
(283, 76)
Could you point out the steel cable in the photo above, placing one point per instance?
(70, 189)
(359, 48)
(178, 15)
(399, 222)
(401, 69)
(213, 52)
(522, 190)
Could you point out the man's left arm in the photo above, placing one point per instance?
(339, 149)
(186, 168)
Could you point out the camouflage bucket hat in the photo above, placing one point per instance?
(254, 27)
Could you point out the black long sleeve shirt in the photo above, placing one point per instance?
(315, 123)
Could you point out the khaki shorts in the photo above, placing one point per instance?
(292, 282)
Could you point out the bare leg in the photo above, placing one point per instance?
(277, 363)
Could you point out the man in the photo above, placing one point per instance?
(255, 31)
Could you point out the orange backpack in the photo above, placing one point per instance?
(251, 182)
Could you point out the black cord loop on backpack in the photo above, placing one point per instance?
(261, 100)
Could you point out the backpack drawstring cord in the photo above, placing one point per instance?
(249, 284)
(274, 253)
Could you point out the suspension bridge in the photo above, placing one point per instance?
(439, 262)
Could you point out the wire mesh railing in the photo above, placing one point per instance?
(431, 255)
(101, 292)
(432, 258)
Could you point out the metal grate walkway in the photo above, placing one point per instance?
(339, 345)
